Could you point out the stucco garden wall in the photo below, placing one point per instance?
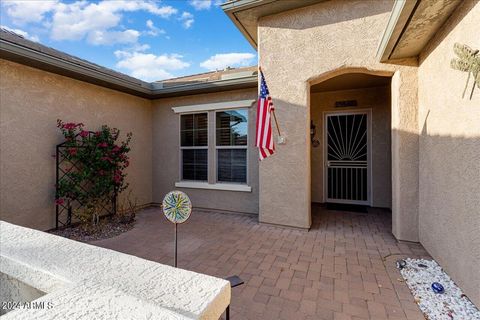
(302, 47)
(166, 154)
(31, 101)
(378, 101)
(449, 174)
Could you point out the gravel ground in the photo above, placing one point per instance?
(452, 304)
(107, 228)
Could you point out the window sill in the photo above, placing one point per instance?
(217, 186)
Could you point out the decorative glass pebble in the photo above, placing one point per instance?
(452, 304)
(437, 288)
(177, 206)
(401, 264)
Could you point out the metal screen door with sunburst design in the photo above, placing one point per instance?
(347, 158)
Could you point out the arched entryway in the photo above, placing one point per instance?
(350, 113)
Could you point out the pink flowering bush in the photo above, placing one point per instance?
(98, 162)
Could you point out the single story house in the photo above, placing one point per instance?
(370, 108)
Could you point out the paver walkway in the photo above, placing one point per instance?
(343, 268)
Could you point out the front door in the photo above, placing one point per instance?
(347, 157)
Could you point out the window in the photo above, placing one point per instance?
(194, 146)
(231, 145)
(214, 145)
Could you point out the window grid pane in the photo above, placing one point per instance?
(195, 164)
(232, 165)
(194, 130)
(232, 127)
(194, 133)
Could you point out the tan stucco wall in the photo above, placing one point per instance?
(31, 101)
(449, 175)
(378, 101)
(305, 46)
(166, 154)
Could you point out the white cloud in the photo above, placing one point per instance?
(79, 19)
(26, 11)
(96, 22)
(151, 74)
(187, 19)
(204, 4)
(223, 60)
(148, 66)
(128, 52)
(153, 30)
(140, 47)
(24, 34)
(110, 37)
(201, 4)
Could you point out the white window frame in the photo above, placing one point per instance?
(212, 108)
(232, 147)
(192, 148)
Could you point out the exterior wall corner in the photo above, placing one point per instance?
(405, 155)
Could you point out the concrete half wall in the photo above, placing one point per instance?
(31, 101)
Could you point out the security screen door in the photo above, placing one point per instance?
(347, 154)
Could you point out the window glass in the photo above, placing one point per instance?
(232, 165)
(194, 143)
(232, 127)
(195, 164)
(231, 143)
(194, 130)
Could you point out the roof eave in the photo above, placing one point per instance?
(401, 13)
(411, 25)
(242, 29)
(265, 8)
(206, 87)
(26, 56)
(16, 53)
(234, 6)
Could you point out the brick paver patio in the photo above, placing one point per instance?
(343, 268)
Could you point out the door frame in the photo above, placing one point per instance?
(368, 112)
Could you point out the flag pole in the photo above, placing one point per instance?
(276, 122)
(273, 111)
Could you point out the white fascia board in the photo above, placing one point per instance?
(214, 106)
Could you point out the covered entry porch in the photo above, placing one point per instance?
(350, 140)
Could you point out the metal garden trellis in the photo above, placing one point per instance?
(64, 212)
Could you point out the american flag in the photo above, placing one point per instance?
(264, 125)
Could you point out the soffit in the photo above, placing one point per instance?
(245, 13)
(350, 81)
(411, 25)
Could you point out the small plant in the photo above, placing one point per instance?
(128, 209)
(96, 171)
(89, 214)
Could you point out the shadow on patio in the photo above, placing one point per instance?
(343, 268)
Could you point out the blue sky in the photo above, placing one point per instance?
(150, 40)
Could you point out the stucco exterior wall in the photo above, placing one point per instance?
(31, 101)
(449, 175)
(166, 154)
(378, 101)
(302, 47)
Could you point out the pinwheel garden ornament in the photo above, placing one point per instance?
(177, 208)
